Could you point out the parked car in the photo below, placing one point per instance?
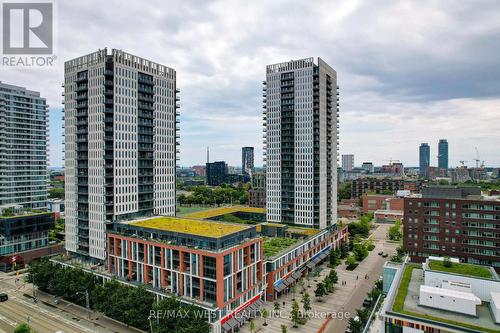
(381, 253)
(3, 297)
(367, 302)
(385, 255)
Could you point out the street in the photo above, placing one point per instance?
(46, 317)
(374, 270)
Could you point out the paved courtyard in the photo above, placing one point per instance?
(344, 300)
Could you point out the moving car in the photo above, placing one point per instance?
(3, 297)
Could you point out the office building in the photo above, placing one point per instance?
(247, 160)
(257, 193)
(216, 173)
(301, 136)
(424, 159)
(347, 162)
(443, 155)
(454, 221)
(367, 166)
(120, 145)
(459, 298)
(23, 147)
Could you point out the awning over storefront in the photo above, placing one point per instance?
(280, 287)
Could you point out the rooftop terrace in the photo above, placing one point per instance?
(406, 302)
(190, 226)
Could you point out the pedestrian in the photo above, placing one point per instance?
(357, 277)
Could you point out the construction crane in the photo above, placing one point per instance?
(391, 160)
(477, 158)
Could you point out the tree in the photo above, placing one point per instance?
(351, 262)
(252, 326)
(293, 289)
(23, 328)
(333, 276)
(345, 191)
(9, 211)
(344, 251)
(355, 325)
(334, 257)
(320, 290)
(56, 193)
(295, 314)
(328, 284)
(447, 262)
(302, 284)
(306, 302)
(276, 307)
(360, 251)
(283, 328)
(265, 315)
(394, 232)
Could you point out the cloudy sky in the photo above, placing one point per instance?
(409, 71)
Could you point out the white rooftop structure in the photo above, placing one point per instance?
(448, 299)
(495, 306)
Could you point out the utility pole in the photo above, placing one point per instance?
(87, 302)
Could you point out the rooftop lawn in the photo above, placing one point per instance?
(462, 269)
(275, 245)
(399, 303)
(206, 214)
(193, 227)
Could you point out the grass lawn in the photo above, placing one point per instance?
(193, 209)
(463, 269)
(275, 245)
(399, 302)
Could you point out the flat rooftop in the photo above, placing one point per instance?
(190, 226)
(406, 302)
(462, 269)
(207, 214)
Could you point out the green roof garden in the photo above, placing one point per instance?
(275, 245)
(461, 269)
(190, 226)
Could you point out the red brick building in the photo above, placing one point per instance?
(455, 222)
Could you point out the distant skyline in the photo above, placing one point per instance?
(409, 72)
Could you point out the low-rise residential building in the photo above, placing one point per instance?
(456, 221)
(257, 193)
(383, 185)
(387, 215)
(374, 202)
(22, 231)
(349, 208)
(218, 266)
(435, 297)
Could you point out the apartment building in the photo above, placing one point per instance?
(301, 137)
(347, 162)
(453, 221)
(247, 160)
(120, 145)
(216, 265)
(23, 147)
(383, 186)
